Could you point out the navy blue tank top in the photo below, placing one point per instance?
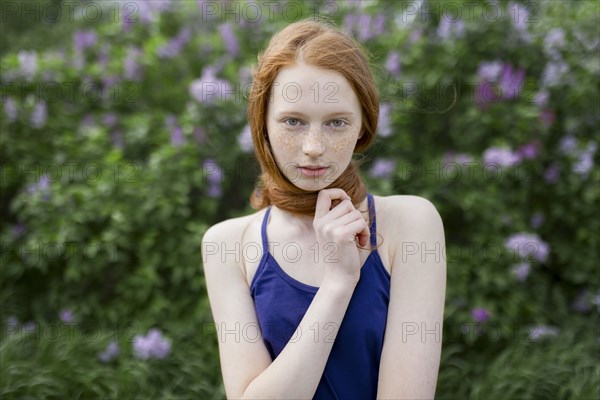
(281, 301)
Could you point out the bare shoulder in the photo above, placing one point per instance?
(405, 220)
(229, 229)
(402, 211)
(224, 235)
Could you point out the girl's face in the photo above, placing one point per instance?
(314, 119)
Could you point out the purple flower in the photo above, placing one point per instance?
(581, 303)
(209, 88)
(392, 64)
(520, 13)
(229, 39)
(175, 45)
(528, 151)
(485, 93)
(84, 39)
(480, 314)
(213, 172)
(547, 118)
(245, 139)
(541, 98)
(17, 230)
(382, 168)
(245, 76)
(553, 72)
(131, 64)
(415, 35)
(450, 28)
(365, 31)
(384, 124)
(568, 145)
(29, 327)
(585, 160)
(540, 331)
(12, 322)
(528, 244)
(214, 190)
(117, 139)
(503, 157)
(10, 109)
(378, 24)
(177, 138)
(350, 21)
(149, 10)
(110, 353)
(521, 271)
(537, 220)
(109, 119)
(364, 25)
(108, 85)
(103, 56)
(552, 173)
(584, 164)
(504, 77)
(511, 81)
(40, 186)
(489, 71)
(28, 63)
(67, 316)
(554, 41)
(153, 345)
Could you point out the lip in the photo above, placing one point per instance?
(313, 171)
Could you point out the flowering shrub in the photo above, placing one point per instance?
(153, 345)
(122, 143)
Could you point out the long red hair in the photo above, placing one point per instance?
(321, 45)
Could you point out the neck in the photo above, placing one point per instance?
(302, 223)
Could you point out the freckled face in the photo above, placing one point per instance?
(314, 118)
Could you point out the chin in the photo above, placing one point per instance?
(310, 186)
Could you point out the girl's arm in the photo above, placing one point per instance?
(248, 372)
(413, 339)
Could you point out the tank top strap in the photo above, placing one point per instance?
(372, 228)
(263, 231)
(372, 219)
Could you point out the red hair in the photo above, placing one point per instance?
(322, 45)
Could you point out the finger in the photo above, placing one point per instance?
(324, 199)
(348, 218)
(364, 236)
(345, 207)
(361, 231)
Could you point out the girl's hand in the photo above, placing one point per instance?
(340, 226)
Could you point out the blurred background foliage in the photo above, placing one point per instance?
(124, 138)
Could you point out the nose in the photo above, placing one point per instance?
(313, 143)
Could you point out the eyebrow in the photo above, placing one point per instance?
(299, 114)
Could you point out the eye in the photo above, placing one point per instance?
(291, 121)
(338, 123)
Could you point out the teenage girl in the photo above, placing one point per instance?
(327, 291)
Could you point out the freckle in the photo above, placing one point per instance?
(343, 143)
